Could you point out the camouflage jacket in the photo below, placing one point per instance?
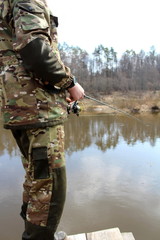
(31, 98)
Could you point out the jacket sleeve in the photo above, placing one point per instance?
(34, 42)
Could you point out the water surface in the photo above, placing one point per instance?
(113, 170)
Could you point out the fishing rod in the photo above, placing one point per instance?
(114, 108)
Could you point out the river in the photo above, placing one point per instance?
(113, 172)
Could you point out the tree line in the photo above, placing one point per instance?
(103, 72)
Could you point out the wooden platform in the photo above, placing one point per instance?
(109, 234)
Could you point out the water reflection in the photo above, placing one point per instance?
(113, 177)
(106, 131)
(7, 144)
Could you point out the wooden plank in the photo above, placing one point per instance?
(109, 234)
(128, 236)
(81, 236)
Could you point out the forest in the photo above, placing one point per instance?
(103, 72)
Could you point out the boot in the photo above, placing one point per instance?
(35, 232)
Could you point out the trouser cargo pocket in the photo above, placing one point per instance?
(40, 163)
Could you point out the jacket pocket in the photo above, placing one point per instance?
(32, 16)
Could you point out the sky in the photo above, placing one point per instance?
(121, 24)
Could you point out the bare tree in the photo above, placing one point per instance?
(103, 72)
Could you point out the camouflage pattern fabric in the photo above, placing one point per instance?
(26, 101)
(43, 160)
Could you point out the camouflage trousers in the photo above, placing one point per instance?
(45, 180)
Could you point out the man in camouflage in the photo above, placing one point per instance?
(34, 82)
